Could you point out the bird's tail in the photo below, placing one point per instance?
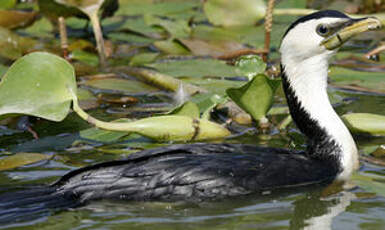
(32, 203)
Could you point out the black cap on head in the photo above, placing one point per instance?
(317, 15)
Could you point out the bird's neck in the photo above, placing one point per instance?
(305, 85)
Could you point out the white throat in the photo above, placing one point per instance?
(308, 79)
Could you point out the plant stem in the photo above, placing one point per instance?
(98, 37)
(268, 27)
(63, 37)
(293, 11)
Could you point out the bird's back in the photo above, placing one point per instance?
(195, 171)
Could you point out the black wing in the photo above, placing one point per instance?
(195, 171)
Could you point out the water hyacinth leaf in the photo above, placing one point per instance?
(365, 123)
(250, 66)
(234, 13)
(37, 84)
(13, 19)
(256, 96)
(189, 109)
(21, 159)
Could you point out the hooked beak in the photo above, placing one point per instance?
(353, 27)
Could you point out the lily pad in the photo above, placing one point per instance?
(13, 19)
(7, 4)
(13, 46)
(195, 68)
(37, 84)
(344, 76)
(21, 159)
(120, 85)
(256, 96)
(176, 28)
(167, 8)
(365, 123)
(213, 48)
(232, 13)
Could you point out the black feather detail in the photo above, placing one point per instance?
(320, 144)
(316, 15)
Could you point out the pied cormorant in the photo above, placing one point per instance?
(211, 171)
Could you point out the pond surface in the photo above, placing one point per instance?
(137, 44)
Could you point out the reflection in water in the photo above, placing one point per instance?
(316, 212)
(300, 210)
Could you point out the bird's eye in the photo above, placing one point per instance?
(322, 30)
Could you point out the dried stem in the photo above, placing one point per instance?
(268, 27)
(376, 51)
(63, 37)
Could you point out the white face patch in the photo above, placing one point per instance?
(303, 41)
(306, 65)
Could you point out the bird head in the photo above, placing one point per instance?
(322, 33)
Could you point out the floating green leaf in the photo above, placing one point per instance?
(7, 4)
(365, 123)
(234, 13)
(171, 46)
(344, 76)
(13, 19)
(195, 68)
(256, 96)
(168, 8)
(21, 159)
(13, 46)
(143, 58)
(176, 28)
(37, 84)
(250, 66)
(125, 86)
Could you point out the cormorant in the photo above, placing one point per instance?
(211, 171)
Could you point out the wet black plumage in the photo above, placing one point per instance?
(191, 172)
